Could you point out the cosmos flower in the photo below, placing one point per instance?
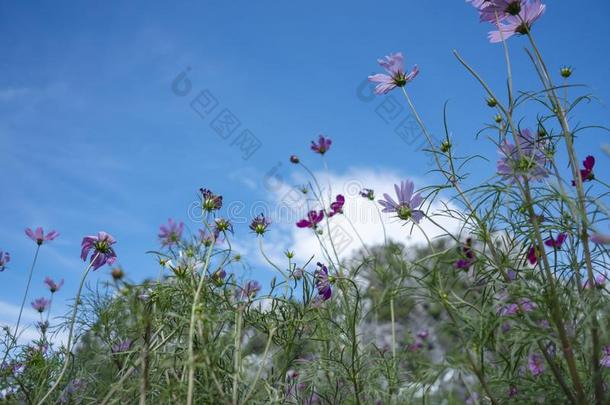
(5, 257)
(557, 242)
(527, 160)
(171, 233)
(72, 388)
(312, 220)
(518, 24)
(103, 252)
(600, 282)
(497, 10)
(535, 363)
(322, 146)
(512, 391)
(323, 282)
(40, 304)
(605, 360)
(121, 346)
(367, 193)
(524, 305)
(53, 286)
(337, 206)
(250, 289)
(406, 207)
(222, 225)
(468, 258)
(586, 174)
(294, 159)
(259, 224)
(210, 201)
(207, 238)
(394, 65)
(423, 334)
(39, 237)
(598, 238)
(532, 255)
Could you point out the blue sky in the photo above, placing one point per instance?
(93, 138)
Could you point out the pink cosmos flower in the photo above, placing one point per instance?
(600, 282)
(39, 237)
(586, 174)
(406, 207)
(171, 233)
(322, 146)
(312, 220)
(394, 65)
(532, 255)
(40, 304)
(337, 206)
(518, 24)
(53, 286)
(497, 10)
(600, 239)
(103, 252)
(557, 242)
(535, 363)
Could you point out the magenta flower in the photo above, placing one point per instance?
(557, 242)
(394, 65)
(527, 160)
(518, 24)
(323, 282)
(312, 220)
(468, 258)
(423, 334)
(600, 239)
(600, 282)
(40, 304)
(250, 290)
(535, 363)
(259, 224)
(207, 238)
(171, 233)
(5, 257)
(39, 237)
(532, 255)
(103, 253)
(524, 305)
(337, 206)
(322, 146)
(53, 286)
(605, 360)
(406, 207)
(586, 174)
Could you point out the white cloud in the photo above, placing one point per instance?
(289, 205)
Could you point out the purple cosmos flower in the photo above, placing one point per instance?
(557, 242)
(367, 193)
(323, 282)
(423, 334)
(218, 276)
(322, 146)
(512, 391)
(518, 24)
(394, 65)
(406, 207)
(121, 346)
(605, 360)
(586, 174)
(532, 255)
(250, 290)
(600, 282)
(527, 160)
(259, 224)
(5, 257)
(294, 159)
(72, 388)
(40, 304)
(53, 286)
(598, 238)
(524, 305)
(535, 363)
(337, 206)
(496, 10)
(210, 201)
(415, 347)
(469, 258)
(171, 233)
(207, 238)
(39, 237)
(103, 253)
(312, 220)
